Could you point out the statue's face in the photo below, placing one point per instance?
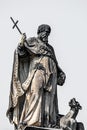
(44, 36)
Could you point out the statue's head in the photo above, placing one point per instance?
(43, 32)
(75, 104)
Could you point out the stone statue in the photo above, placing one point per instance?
(33, 95)
(69, 122)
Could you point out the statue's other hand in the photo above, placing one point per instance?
(61, 79)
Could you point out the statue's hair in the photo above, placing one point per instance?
(44, 27)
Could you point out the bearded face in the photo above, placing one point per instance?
(43, 32)
(43, 36)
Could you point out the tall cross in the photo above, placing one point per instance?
(15, 25)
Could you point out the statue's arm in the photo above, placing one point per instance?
(28, 46)
(22, 47)
(61, 76)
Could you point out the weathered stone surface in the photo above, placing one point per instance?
(35, 75)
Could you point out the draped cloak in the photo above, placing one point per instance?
(33, 94)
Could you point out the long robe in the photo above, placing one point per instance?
(33, 95)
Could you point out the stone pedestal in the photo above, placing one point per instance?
(41, 128)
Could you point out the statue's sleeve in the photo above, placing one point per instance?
(22, 50)
(32, 45)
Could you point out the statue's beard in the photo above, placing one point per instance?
(44, 39)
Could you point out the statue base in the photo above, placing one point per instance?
(41, 128)
(80, 126)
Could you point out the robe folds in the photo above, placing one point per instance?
(33, 94)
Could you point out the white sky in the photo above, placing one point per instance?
(68, 19)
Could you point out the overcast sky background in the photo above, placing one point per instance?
(68, 20)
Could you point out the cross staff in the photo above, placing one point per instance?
(15, 25)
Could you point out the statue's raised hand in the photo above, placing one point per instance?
(23, 38)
